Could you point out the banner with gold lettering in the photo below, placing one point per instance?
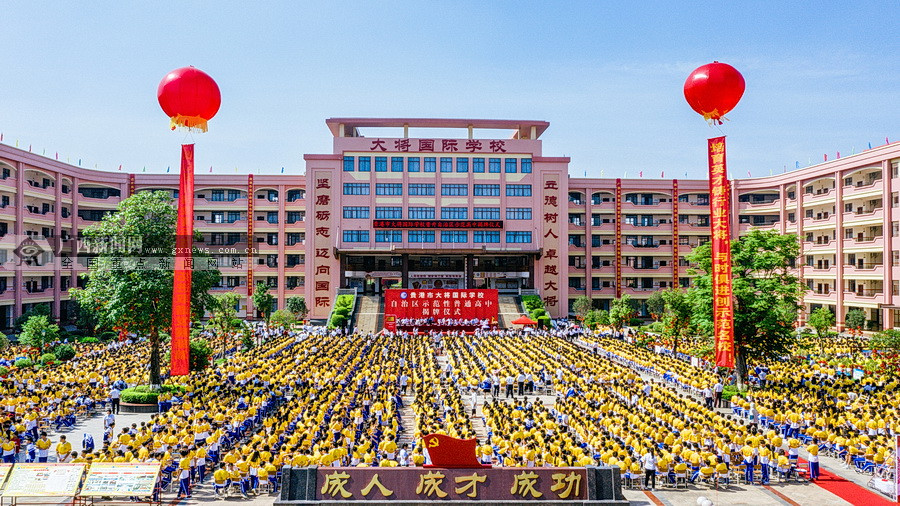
(723, 306)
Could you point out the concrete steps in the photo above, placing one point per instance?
(370, 315)
(508, 310)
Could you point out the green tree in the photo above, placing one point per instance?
(4, 342)
(38, 331)
(656, 305)
(677, 313)
(262, 299)
(887, 340)
(39, 309)
(855, 319)
(621, 311)
(199, 355)
(766, 294)
(223, 320)
(582, 306)
(297, 305)
(123, 295)
(282, 317)
(597, 317)
(821, 319)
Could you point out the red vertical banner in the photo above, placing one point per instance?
(618, 238)
(723, 305)
(130, 184)
(251, 243)
(184, 243)
(675, 233)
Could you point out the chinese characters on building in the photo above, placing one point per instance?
(439, 146)
(549, 277)
(322, 243)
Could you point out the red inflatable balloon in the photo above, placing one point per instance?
(189, 97)
(713, 90)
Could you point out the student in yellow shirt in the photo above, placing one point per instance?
(63, 449)
(221, 481)
(184, 467)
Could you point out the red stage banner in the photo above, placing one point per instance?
(723, 305)
(441, 303)
(390, 322)
(184, 243)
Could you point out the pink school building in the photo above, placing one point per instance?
(463, 211)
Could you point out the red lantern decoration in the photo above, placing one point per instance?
(713, 90)
(189, 97)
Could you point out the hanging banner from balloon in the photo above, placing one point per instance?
(723, 306)
(190, 98)
(713, 90)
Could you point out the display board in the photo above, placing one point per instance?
(44, 480)
(4, 472)
(116, 479)
(437, 304)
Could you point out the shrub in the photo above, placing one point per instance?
(247, 341)
(343, 311)
(145, 394)
(47, 358)
(24, 363)
(64, 352)
(635, 322)
(4, 341)
(338, 320)
(109, 335)
(730, 391)
(537, 313)
(544, 322)
(88, 340)
(344, 301)
(4, 370)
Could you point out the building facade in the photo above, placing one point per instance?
(461, 211)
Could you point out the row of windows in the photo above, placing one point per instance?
(414, 164)
(428, 213)
(447, 236)
(447, 189)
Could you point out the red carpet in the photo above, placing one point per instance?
(849, 491)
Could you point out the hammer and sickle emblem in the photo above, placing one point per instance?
(433, 442)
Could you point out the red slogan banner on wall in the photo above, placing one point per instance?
(723, 305)
(441, 303)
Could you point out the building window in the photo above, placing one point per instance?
(295, 195)
(494, 165)
(421, 213)
(459, 236)
(380, 164)
(421, 235)
(454, 213)
(446, 164)
(430, 163)
(412, 164)
(485, 236)
(396, 164)
(478, 165)
(518, 190)
(518, 213)
(455, 190)
(388, 188)
(295, 216)
(526, 166)
(348, 164)
(462, 165)
(365, 164)
(388, 213)
(421, 189)
(356, 188)
(388, 236)
(518, 237)
(511, 166)
(487, 190)
(486, 213)
(356, 212)
(356, 236)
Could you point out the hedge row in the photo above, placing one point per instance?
(144, 394)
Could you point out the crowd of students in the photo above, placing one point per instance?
(548, 398)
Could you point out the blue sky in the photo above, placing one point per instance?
(80, 78)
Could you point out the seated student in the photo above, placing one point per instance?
(272, 473)
(705, 473)
(221, 480)
(722, 470)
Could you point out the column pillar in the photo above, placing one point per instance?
(839, 257)
(470, 270)
(57, 233)
(887, 230)
(19, 282)
(404, 267)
